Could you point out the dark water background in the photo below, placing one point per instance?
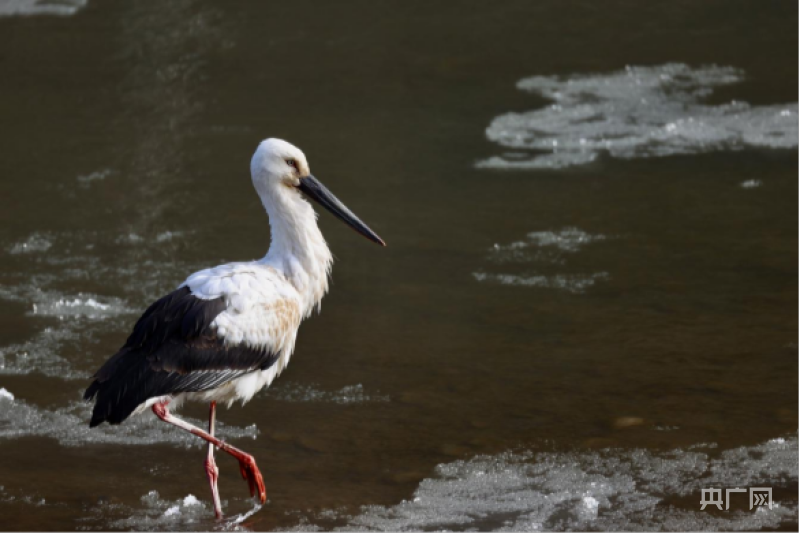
(126, 133)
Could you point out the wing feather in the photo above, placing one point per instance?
(183, 343)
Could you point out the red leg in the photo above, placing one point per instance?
(211, 465)
(247, 464)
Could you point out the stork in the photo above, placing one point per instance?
(228, 331)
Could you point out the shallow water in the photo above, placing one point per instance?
(559, 336)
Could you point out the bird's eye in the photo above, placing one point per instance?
(292, 163)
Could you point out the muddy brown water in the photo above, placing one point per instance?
(126, 132)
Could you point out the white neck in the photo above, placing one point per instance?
(297, 248)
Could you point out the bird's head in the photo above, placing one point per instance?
(279, 168)
(278, 163)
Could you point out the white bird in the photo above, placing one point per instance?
(228, 331)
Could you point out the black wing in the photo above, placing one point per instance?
(171, 350)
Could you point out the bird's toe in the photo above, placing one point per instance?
(255, 481)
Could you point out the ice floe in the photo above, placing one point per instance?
(81, 305)
(609, 490)
(577, 283)
(45, 261)
(79, 317)
(41, 354)
(70, 426)
(293, 392)
(542, 250)
(637, 112)
(162, 515)
(62, 8)
(86, 179)
(750, 184)
(36, 242)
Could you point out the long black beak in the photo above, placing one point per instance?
(314, 190)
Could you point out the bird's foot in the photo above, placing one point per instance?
(250, 472)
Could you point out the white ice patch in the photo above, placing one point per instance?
(190, 500)
(70, 426)
(750, 184)
(41, 354)
(160, 238)
(160, 515)
(292, 392)
(48, 260)
(36, 242)
(86, 179)
(6, 395)
(130, 239)
(167, 236)
(173, 510)
(545, 245)
(57, 304)
(545, 249)
(81, 305)
(610, 490)
(9, 497)
(62, 8)
(638, 112)
(568, 239)
(578, 283)
(80, 317)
